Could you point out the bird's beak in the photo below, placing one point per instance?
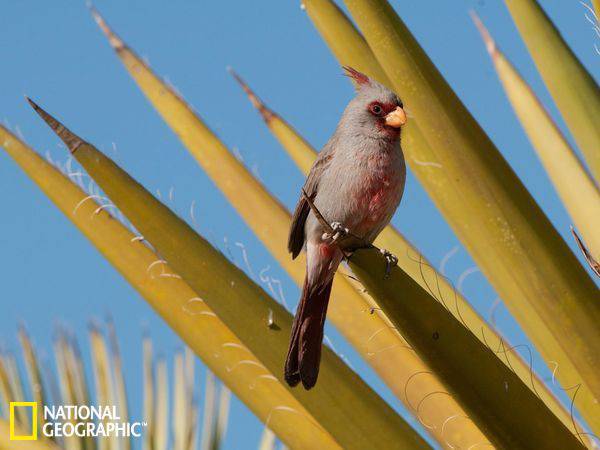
(396, 118)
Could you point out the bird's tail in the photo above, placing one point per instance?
(304, 354)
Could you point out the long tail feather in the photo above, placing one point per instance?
(304, 354)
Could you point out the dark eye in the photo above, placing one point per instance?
(376, 109)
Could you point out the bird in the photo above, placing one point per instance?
(351, 193)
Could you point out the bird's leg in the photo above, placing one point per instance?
(338, 232)
(390, 261)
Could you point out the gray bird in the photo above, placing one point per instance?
(356, 184)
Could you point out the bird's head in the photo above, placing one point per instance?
(376, 112)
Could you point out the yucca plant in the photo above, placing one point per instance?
(178, 415)
(426, 327)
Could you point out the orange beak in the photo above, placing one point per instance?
(396, 118)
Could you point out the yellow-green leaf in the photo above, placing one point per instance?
(119, 381)
(573, 89)
(577, 190)
(342, 403)
(105, 388)
(161, 434)
(508, 235)
(36, 387)
(149, 397)
(508, 412)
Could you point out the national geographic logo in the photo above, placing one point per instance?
(70, 420)
(32, 436)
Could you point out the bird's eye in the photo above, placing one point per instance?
(376, 109)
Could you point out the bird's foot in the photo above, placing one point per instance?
(338, 232)
(391, 260)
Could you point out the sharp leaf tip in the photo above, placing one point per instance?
(113, 39)
(490, 44)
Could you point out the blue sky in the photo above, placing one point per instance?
(53, 52)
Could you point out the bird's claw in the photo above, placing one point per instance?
(391, 260)
(338, 231)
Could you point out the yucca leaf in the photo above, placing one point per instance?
(67, 388)
(36, 387)
(267, 440)
(192, 420)
(175, 301)
(508, 412)
(149, 397)
(5, 395)
(161, 416)
(181, 404)
(506, 232)
(577, 190)
(76, 384)
(370, 334)
(11, 390)
(342, 38)
(350, 49)
(222, 417)
(210, 412)
(119, 381)
(105, 389)
(596, 4)
(592, 262)
(573, 89)
(16, 387)
(246, 308)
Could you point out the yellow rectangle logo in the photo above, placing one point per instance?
(34, 418)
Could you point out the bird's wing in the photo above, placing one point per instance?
(296, 238)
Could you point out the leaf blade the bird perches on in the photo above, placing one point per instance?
(506, 232)
(576, 189)
(419, 269)
(245, 307)
(175, 302)
(510, 414)
(349, 309)
(573, 89)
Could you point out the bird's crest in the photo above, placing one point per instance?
(359, 78)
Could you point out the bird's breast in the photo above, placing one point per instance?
(361, 190)
(380, 181)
